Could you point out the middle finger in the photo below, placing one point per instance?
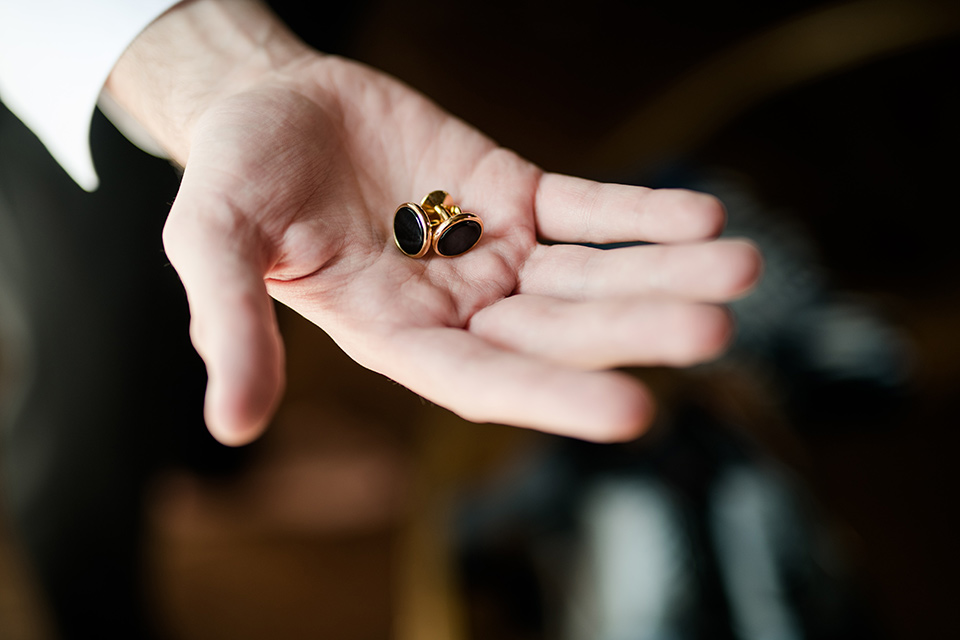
(712, 271)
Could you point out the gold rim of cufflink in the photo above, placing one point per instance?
(435, 223)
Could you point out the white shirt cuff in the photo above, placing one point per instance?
(55, 56)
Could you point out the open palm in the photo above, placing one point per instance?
(290, 190)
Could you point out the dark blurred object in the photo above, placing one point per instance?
(834, 359)
(691, 534)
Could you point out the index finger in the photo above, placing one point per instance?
(572, 209)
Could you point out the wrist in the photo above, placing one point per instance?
(197, 53)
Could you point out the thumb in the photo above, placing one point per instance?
(221, 258)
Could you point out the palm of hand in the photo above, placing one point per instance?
(290, 191)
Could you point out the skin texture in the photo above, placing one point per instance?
(294, 164)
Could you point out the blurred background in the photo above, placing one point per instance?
(801, 487)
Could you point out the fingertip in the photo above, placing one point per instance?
(740, 267)
(621, 410)
(244, 386)
(631, 416)
(751, 267)
(704, 331)
(237, 416)
(693, 215)
(717, 333)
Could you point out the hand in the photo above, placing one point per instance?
(293, 171)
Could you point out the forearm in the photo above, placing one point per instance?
(196, 53)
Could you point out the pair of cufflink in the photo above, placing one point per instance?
(435, 223)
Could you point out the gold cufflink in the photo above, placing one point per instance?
(436, 222)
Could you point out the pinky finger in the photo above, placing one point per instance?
(484, 383)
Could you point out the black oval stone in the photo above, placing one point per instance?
(459, 238)
(409, 231)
